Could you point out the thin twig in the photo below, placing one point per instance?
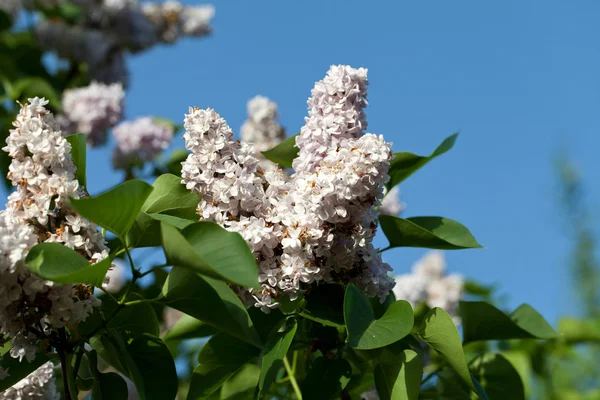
(293, 381)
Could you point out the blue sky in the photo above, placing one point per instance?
(520, 80)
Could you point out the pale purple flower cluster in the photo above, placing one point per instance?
(39, 385)
(38, 211)
(171, 19)
(140, 140)
(110, 28)
(428, 284)
(92, 110)
(391, 204)
(316, 225)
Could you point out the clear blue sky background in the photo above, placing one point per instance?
(519, 79)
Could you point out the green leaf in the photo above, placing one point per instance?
(482, 321)
(19, 369)
(266, 324)
(111, 350)
(30, 87)
(109, 386)
(58, 263)
(137, 319)
(116, 209)
(573, 330)
(427, 232)
(326, 379)
(210, 301)
(325, 304)
(220, 358)
(78, 154)
(498, 377)
(405, 164)
(439, 332)
(276, 350)
(177, 222)
(209, 249)
(399, 379)
(153, 369)
(189, 328)
(284, 153)
(242, 382)
(171, 197)
(364, 331)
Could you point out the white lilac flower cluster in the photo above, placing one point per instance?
(43, 172)
(428, 284)
(140, 140)
(316, 225)
(262, 129)
(39, 385)
(92, 110)
(109, 29)
(391, 204)
(172, 19)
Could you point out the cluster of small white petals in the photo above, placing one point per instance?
(391, 204)
(428, 284)
(39, 385)
(262, 128)
(93, 109)
(172, 19)
(11, 7)
(316, 225)
(335, 114)
(38, 211)
(140, 140)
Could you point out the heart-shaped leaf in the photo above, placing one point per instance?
(58, 263)
(365, 331)
(116, 209)
(171, 197)
(210, 301)
(427, 232)
(211, 250)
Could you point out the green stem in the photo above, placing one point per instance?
(71, 377)
(153, 269)
(134, 277)
(141, 301)
(293, 381)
